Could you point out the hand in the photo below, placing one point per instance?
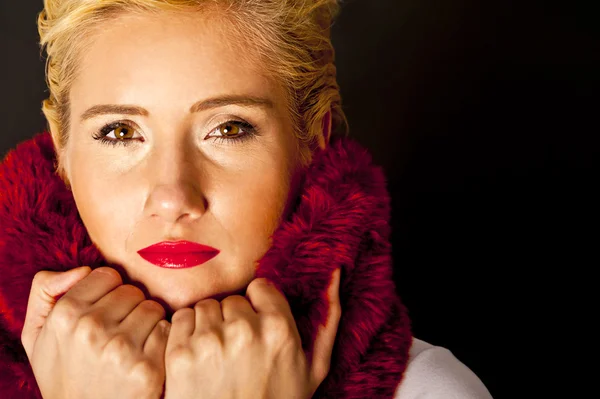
(101, 339)
(243, 348)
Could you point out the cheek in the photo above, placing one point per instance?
(105, 205)
(253, 206)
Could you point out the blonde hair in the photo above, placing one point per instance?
(290, 37)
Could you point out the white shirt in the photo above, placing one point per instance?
(433, 372)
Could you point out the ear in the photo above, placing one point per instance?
(325, 130)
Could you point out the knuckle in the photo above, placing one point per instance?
(212, 344)
(118, 348)
(88, 328)
(145, 374)
(211, 338)
(277, 329)
(66, 313)
(153, 307)
(276, 323)
(179, 359)
(240, 331)
(40, 278)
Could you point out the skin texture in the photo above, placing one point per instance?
(89, 335)
(179, 183)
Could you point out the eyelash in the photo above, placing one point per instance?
(249, 132)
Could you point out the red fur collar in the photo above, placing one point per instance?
(341, 219)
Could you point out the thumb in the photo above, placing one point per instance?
(325, 340)
(46, 289)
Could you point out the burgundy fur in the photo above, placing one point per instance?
(341, 220)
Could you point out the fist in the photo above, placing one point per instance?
(247, 348)
(101, 339)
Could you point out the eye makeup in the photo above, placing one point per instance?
(232, 131)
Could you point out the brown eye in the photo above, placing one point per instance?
(118, 133)
(232, 131)
(229, 129)
(123, 132)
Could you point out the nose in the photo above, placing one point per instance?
(176, 203)
(175, 194)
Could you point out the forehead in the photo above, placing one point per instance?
(189, 57)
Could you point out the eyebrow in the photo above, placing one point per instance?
(247, 101)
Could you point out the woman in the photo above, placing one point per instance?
(195, 223)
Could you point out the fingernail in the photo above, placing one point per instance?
(101, 270)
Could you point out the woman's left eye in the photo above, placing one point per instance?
(233, 131)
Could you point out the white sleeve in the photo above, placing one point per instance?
(435, 373)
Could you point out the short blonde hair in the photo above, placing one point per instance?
(290, 37)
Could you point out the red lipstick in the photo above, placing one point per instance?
(178, 254)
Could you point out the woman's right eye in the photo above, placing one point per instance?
(122, 134)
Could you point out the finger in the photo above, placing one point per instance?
(121, 302)
(236, 307)
(325, 340)
(182, 326)
(45, 289)
(97, 284)
(266, 298)
(156, 344)
(141, 321)
(208, 314)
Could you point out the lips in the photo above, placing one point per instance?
(178, 254)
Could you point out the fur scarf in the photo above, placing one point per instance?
(341, 219)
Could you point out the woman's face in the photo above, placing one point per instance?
(207, 153)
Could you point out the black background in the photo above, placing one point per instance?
(484, 116)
